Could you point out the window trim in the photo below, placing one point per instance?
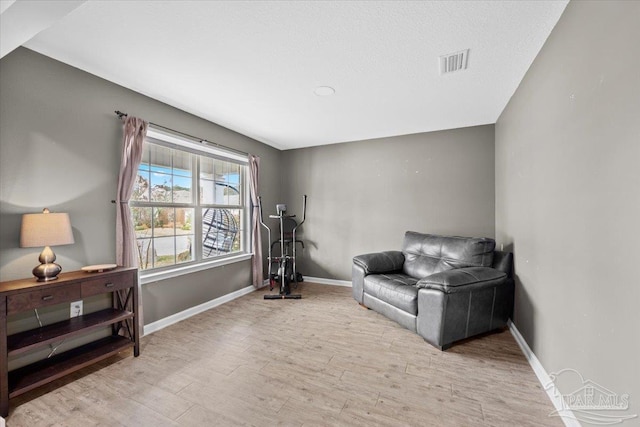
(163, 138)
(156, 275)
(196, 146)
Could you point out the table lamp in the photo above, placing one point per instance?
(46, 229)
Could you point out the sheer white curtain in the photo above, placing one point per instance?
(256, 236)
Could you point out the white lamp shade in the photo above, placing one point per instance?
(45, 229)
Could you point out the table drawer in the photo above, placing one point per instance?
(42, 298)
(106, 284)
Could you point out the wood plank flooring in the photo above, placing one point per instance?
(319, 361)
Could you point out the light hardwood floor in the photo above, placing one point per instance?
(322, 360)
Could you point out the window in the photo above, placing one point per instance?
(188, 203)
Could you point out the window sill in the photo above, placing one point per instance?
(180, 271)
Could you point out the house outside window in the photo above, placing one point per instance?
(189, 204)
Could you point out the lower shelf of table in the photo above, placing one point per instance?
(31, 376)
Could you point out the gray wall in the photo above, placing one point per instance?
(60, 146)
(364, 195)
(568, 196)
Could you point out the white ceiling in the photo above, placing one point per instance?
(253, 66)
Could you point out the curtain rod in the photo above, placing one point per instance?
(120, 115)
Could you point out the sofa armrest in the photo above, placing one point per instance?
(463, 279)
(380, 262)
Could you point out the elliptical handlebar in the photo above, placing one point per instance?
(304, 217)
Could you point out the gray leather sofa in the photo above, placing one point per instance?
(445, 288)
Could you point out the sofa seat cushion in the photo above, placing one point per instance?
(399, 290)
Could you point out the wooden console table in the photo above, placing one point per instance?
(27, 294)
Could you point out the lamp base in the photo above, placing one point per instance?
(47, 272)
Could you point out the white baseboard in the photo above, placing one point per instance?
(323, 281)
(185, 314)
(555, 396)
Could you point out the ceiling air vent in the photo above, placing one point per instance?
(454, 62)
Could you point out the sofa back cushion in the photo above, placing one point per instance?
(426, 254)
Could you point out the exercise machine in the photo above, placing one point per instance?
(286, 272)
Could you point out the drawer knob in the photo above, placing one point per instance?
(47, 298)
(108, 285)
